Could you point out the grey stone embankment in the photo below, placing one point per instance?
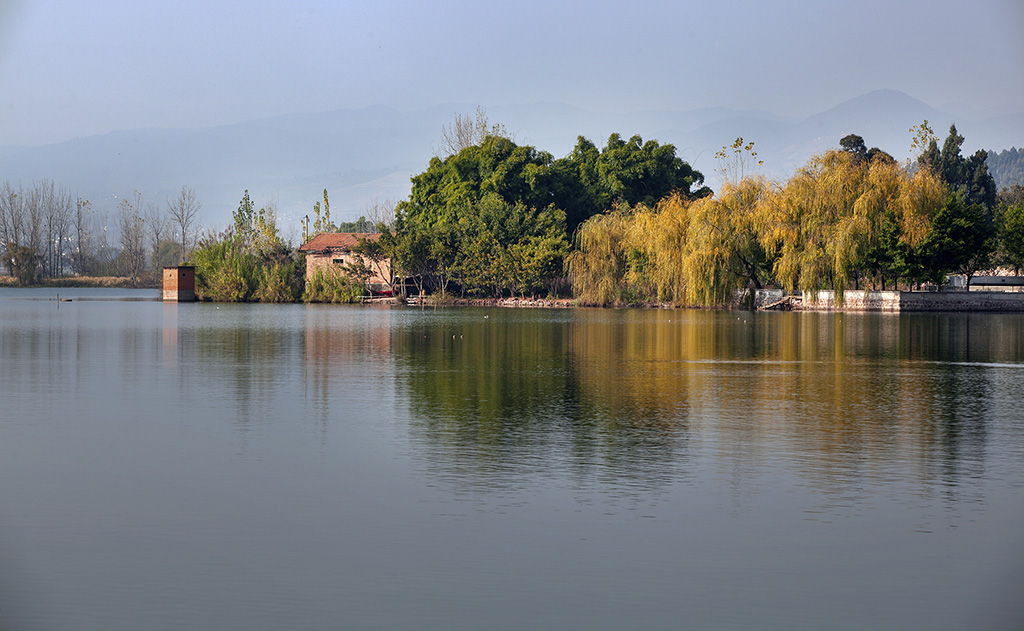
(914, 301)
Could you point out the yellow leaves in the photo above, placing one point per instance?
(813, 233)
(917, 203)
(836, 210)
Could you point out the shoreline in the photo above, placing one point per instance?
(100, 282)
(855, 301)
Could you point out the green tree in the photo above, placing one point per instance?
(960, 240)
(1011, 235)
(244, 220)
(1006, 167)
(967, 176)
(22, 262)
(633, 172)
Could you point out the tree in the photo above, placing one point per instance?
(39, 218)
(244, 220)
(690, 252)
(964, 231)
(922, 138)
(1006, 167)
(56, 208)
(605, 267)
(81, 251)
(467, 131)
(183, 210)
(131, 227)
(157, 225)
(265, 234)
(22, 262)
(321, 220)
(379, 212)
(632, 172)
(1011, 235)
(1012, 195)
(970, 177)
(960, 239)
(735, 161)
(832, 214)
(854, 145)
(495, 217)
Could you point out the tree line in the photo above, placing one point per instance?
(849, 218)
(627, 222)
(45, 231)
(497, 218)
(1007, 167)
(632, 222)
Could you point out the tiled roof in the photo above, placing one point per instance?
(337, 241)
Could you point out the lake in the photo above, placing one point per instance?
(226, 466)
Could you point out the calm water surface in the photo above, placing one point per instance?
(204, 466)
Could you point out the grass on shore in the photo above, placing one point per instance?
(83, 281)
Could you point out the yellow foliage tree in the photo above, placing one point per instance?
(832, 211)
(607, 267)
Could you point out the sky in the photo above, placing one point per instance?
(76, 68)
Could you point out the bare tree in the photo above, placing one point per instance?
(381, 211)
(158, 226)
(81, 247)
(12, 214)
(65, 213)
(38, 218)
(467, 131)
(131, 227)
(104, 254)
(183, 210)
(47, 194)
(54, 208)
(32, 234)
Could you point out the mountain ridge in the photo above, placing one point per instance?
(365, 155)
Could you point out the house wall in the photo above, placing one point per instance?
(327, 263)
(179, 284)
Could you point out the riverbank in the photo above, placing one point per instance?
(545, 303)
(117, 282)
(529, 303)
(914, 301)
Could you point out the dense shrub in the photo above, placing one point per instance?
(228, 272)
(332, 286)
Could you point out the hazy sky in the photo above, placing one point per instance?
(80, 67)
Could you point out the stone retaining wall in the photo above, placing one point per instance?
(911, 301)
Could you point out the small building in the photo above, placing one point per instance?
(180, 284)
(334, 252)
(997, 283)
(1000, 282)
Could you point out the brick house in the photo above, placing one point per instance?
(332, 252)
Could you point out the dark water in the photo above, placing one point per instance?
(315, 467)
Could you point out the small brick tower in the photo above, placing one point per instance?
(180, 284)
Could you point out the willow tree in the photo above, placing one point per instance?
(691, 252)
(833, 211)
(606, 266)
(722, 250)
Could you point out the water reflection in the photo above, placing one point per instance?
(845, 400)
(265, 466)
(497, 400)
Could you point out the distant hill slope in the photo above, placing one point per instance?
(1006, 167)
(366, 154)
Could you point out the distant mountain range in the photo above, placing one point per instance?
(369, 154)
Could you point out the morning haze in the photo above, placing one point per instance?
(288, 99)
(449, 419)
